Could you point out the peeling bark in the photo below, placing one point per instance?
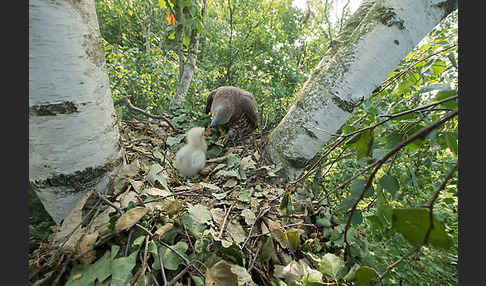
(373, 42)
(74, 144)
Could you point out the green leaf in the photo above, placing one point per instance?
(170, 260)
(407, 116)
(232, 160)
(389, 184)
(196, 219)
(156, 174)
(121, 269)
(268, 249)
(357, 187)
(393, 140)
(364, 275)
(234, 253)
(286, 204)
(413, 224)
(186, 40)
(79, 276)
(357, 217)
(332, 266)
(443, 94)
(221, 274)
(162, 4)
(374, 222)
(364, 143)
(383, 210)
(438, 67)
(102, 267)
(411, 171)
(451, 139)
(171, 141)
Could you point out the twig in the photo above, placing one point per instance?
(217, 160)
(252, 264)
(224, 220)
(392, 79)
(179, 275)
(128, 242)
(287, 226)
(159, 254)
(169, 247)
(260, 214)
(166, 196)
(127, 101)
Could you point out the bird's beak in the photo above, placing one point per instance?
(208, 132)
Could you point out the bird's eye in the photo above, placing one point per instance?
(214, 113)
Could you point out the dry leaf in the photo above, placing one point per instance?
(163, 229)
(155, 192)
(247, 163)
(218, 216)
(128, 197)
(137, 185)
(210, 187)
(130, 218)
(71, 221)
(230, 183)
(87, 244)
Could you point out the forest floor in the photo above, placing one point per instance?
(224, 226)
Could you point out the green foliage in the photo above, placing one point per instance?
(414, 223)
(39, 220)
(270, 48)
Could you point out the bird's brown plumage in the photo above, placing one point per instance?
(233, 106)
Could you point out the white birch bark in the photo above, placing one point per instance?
(377, 37)
(187, 74)
(74, 143)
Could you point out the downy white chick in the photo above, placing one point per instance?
(192, 157)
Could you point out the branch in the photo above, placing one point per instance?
(427, 235)
(421, 133)
(127, 101)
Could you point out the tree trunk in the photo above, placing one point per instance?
(186, 69)
(187, 73)
(74, 142)
(373, 42)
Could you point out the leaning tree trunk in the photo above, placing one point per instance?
(376, 38)
(74, 143)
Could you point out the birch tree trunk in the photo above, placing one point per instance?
(373, 42)
(74, 143)
(187, 73)
(186, 68)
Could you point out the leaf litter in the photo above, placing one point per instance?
(223, 226)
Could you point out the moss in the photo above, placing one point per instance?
(66, 107)
(448, 6)
(296, 162)
(388, 17)
(81, 180)
(344, 105)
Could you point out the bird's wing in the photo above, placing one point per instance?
(209, 101)
(249, 108)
